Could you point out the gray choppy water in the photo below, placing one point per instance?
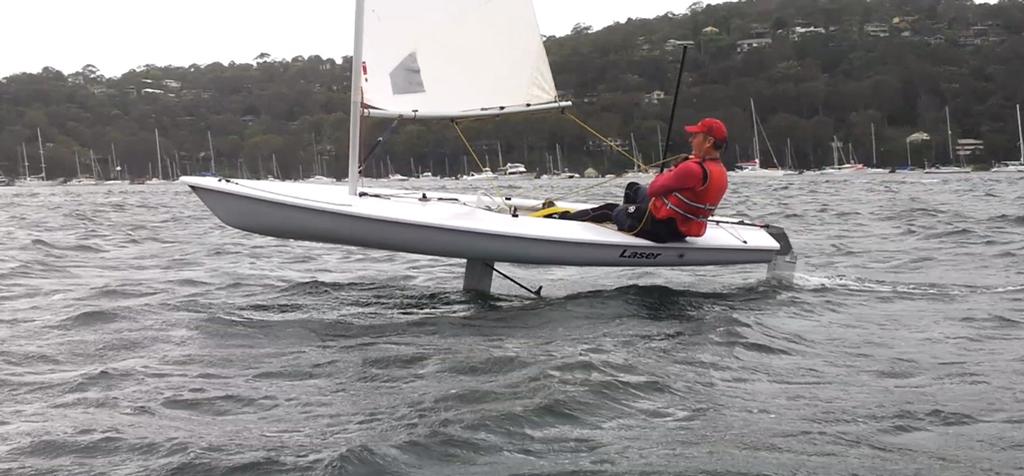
(140, 335)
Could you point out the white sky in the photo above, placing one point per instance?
(117, 35)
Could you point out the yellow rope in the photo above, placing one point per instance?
(603, 182)
(477, 159)
(464, 141)
(606, 141)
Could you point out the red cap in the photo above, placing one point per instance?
(710, 127)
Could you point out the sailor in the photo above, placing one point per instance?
(678, 202)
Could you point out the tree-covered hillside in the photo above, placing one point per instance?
(831, 68)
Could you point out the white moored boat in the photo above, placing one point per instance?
(414, 69)
(1017, 166)
(515, 171)
(949, 169)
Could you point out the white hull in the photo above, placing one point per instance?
(82, 182)
(35, 183)
(1009, 168)
(319, 179)
(758, 173)
(402, 222)
(948, 170)
(843, 170)
(515, 177)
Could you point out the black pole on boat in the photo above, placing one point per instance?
(675, 99)
(380, 140)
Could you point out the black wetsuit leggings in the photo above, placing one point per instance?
(632, 216)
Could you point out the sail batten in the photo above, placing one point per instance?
(453, 58)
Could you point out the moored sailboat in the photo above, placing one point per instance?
(1015, 166)
(948, 169)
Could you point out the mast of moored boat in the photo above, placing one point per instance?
(213, 160)
(1020, 135)
(789, 155)
(78, 166)
(355, 112)
(316, 158)
(835, 152)
(42, 157)
(949, 137)
(757, 145)
(159, 165)
(636, 153)
(97, 172)
(874, 158)
(24, 155)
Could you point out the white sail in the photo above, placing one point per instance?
(453, 58)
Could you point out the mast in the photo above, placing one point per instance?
(24, 155)
(636, 153)
(78, 165)
(558, 153)
(213, 161)
(949, 136)
(113, 158)
(356, 110)
(661, 153)
(835, 153)
(789, 155)
(92, 161)
(874, 157)
(42, 157)
(757, 147)
(501, 161)
(159, 164)
(316, 158)
(1020, 135)
(910, 165)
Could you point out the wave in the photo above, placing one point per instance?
(79, 248)
(853, 283)
(96, 317)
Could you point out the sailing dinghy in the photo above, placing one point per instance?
(486, 60)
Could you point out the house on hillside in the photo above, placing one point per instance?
(981, 35)
(744, 46)
(799, 32)
(968, 149)
(758, 31)
(654, 97)
(876, 30)
(596, 144)
(673, 44)
(710, 32)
